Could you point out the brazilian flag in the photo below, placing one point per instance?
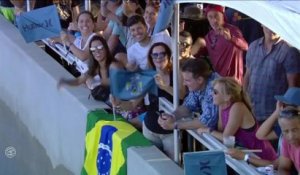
(106, 144)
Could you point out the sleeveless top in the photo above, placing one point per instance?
(246, 138)
(151, 117)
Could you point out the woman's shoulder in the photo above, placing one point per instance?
(240, 106)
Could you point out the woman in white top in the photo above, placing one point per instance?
(79, 46)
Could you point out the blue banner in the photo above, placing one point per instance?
(126, 85)
(165, 13)
(204, 163)
(39, 24)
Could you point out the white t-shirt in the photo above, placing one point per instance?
(137, 54)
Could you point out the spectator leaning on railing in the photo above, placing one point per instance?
(198, 78)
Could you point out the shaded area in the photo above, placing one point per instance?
(31, 157)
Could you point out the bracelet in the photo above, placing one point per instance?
(246, 158)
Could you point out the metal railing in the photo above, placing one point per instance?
(210, 143)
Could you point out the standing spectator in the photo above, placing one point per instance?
(225, 44)
(198, 78)
(159, 58)
(7, 10)
(137, 53)
(272, 67)
(185, 46)
(289, 121)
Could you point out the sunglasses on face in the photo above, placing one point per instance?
(289, 113)
(216, 92)
(185, 44)
(159, 55)
(93, 49)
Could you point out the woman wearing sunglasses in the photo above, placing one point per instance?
(236, 119)
(99, 66)
(159, 58)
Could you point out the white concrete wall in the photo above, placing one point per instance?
(57, 118)
(150, 161)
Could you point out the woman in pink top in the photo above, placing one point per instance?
(236, 118)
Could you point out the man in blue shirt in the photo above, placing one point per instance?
(198, 78)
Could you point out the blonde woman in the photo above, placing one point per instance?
(236, 118)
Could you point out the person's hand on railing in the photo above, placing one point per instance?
(236, 153)
(166, 121)
(203, 130)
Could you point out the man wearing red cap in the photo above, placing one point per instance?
(225, 44)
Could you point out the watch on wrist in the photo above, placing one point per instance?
(246, 158)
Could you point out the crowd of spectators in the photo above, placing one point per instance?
(237, 91)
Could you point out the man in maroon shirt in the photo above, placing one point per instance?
(225, 44)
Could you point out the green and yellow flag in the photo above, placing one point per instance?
(106, 144)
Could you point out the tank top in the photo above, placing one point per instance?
(246, 138)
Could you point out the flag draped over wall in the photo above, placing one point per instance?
(106, 144)
(204, 163)
(165, 14)
(39, 24)
(126, 85)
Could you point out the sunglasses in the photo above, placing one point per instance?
(185, 44)
(93, 49)
(289, 113)
(216, 92)
(159, 55)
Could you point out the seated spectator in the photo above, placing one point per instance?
(159, 58)
(79, 46)
(236, 119)
(198, 78)
(137, 53)
(99, 65)
(270, 130)
(225, 44)
(289, 122)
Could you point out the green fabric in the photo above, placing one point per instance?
(134, 139)
(8, 13)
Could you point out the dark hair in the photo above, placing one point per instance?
(135, 19)
(289, 112)
(167, 50)
(138, 11)
(88, 13)
(186, 34)
(93, 64)
(198, 67)
(154, 5)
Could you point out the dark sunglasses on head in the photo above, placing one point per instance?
(185, 44)
(159, 55)
(93, 49)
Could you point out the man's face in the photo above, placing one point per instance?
(215, 19)
(193, 84)
(185, 46)
(291, 130)
(138, 31)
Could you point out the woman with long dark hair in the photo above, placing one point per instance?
(99, 65)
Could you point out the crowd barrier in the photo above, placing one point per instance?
(211, 143)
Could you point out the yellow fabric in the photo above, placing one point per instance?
(92, 141)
